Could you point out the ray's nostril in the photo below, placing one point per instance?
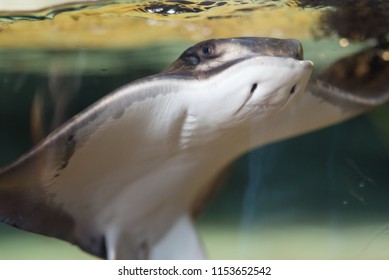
(293, 89)
(253, 88)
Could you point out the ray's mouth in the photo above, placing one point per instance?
(270, 106)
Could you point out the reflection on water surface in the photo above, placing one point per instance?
(323, 195)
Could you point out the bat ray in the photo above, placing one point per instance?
(124, 178)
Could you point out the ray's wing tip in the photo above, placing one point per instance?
(325, 89)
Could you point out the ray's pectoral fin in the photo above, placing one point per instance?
(34, 215)
(28, 207)
(360, 79)
(180, 242)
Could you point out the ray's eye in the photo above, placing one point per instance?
(206, 50)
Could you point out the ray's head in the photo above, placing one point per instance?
(242, 78)
(217, 54)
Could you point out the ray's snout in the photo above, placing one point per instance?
(297, 49)
(274, 47)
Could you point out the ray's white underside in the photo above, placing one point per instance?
(165, 158)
